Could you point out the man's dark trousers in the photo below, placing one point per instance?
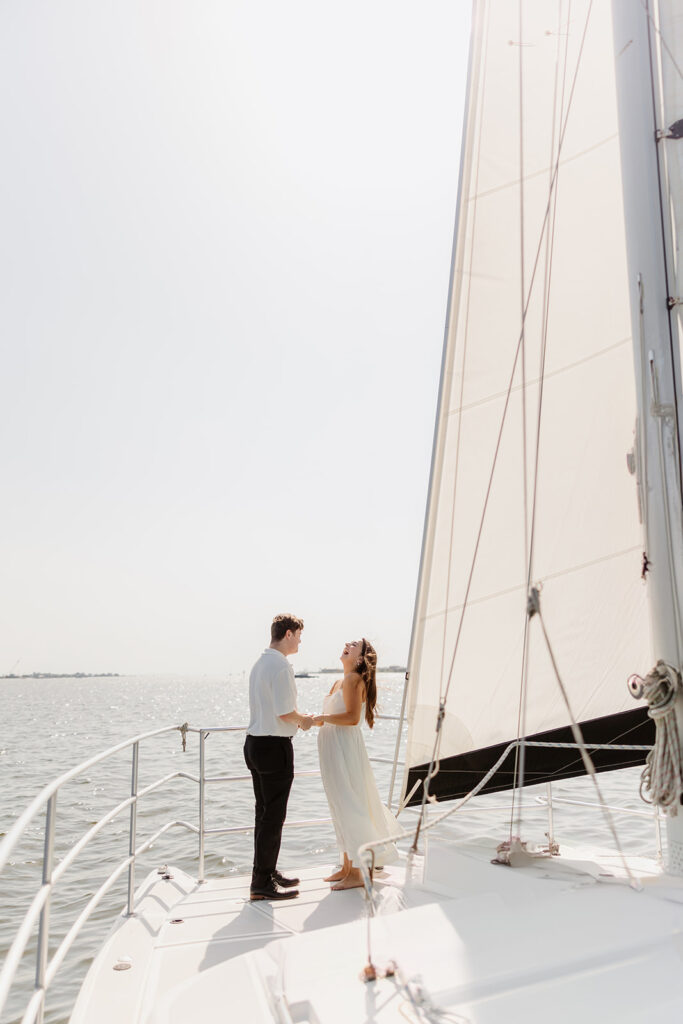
(270, 759)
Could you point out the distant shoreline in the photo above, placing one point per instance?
(118, 675)
(328, 671)
(66, 675)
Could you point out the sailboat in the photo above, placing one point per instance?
(548, 638)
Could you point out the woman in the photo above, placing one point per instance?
(357, 811)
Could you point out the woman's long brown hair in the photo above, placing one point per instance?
(366, 669)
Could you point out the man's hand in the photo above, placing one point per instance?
(318, 720)
(306, 722)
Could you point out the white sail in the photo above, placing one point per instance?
(541, 226)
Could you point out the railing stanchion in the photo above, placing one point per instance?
(399, 736)
(132, 839)
(549, 795)
(44, 930)
(202, 773)
(658, 835)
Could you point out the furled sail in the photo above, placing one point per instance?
(536, 415)
(670, 43)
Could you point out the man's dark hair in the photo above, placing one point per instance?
(281, 623)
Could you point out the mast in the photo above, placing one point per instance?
(648, 201)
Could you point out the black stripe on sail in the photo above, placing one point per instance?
(458, 775)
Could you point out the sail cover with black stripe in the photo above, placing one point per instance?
(529, 477)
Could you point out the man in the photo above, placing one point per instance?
(269, 755)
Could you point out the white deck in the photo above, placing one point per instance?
(557, 939)
(218, 924)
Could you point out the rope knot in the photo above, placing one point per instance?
(659, 689)
(661, 778)
(182, 729)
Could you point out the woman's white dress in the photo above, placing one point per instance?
(358, 814)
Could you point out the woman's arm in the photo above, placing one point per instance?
(296, 718)
(352, 690)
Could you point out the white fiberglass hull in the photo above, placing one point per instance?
(484, 943)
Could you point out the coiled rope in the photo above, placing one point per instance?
(661, 778)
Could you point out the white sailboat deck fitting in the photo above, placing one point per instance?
(481, 943)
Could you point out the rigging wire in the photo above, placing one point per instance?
(532, 282)
(566, 367)
(535, 609)
(520, 750)
(522, 281)
(525, 516)
(612, 743)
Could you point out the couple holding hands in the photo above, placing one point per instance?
(357, 811)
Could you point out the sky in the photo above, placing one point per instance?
(225, 242)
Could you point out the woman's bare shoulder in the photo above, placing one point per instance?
(352, 679)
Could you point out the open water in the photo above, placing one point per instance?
(49, 726)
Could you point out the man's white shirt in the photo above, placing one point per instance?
(272, 692)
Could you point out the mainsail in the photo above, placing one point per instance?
(537, 410)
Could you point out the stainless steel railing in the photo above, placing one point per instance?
(38, 912)
(603, 806)
(39, 909)
(367, 851)
(655, 815)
